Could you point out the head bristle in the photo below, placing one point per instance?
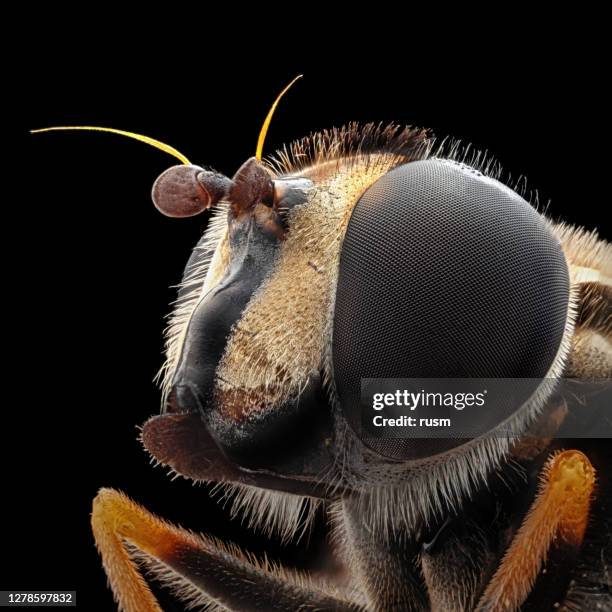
(146, 139)
(268, 119)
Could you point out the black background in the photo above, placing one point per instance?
(87, 282)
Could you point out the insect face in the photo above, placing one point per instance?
(244, 420)
(372, 260)
(249, 344)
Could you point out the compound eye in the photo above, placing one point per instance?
(444, 273)
(185, 191)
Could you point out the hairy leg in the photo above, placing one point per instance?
(558, 514)
(457, 563)
(200, 569)
(386, 569)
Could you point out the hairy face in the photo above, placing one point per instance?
(248, 346)
(250, 393)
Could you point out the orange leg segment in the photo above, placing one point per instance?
(559, 513)
(116, 519)
(200, 570)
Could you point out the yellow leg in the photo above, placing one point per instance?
(560, 511)
(115, 519)
(199, 569)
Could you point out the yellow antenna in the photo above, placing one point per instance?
(150, 141)
(266, 123)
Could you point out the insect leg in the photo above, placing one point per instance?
(560, 511)
(199, 569)
(385, 568)
(457, 562)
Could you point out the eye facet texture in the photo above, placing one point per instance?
(445, 272)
